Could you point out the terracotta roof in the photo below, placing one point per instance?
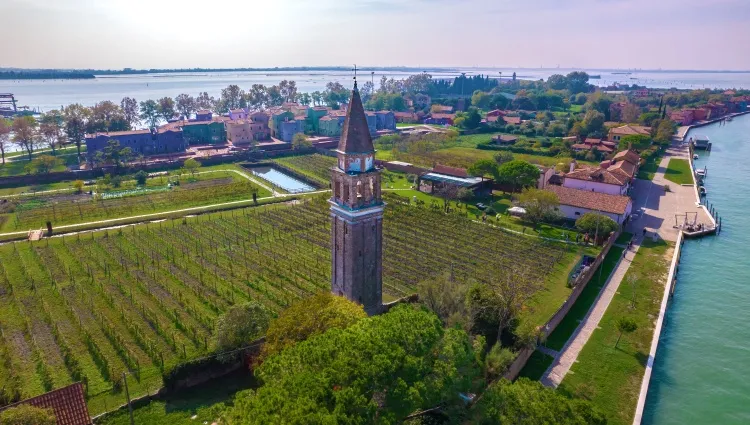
(451, 171)
(628, 156)
(505, 138)
(603, 148)
(581, 146)
(589, 200)
(442, 108)
(68, 404)
(596, 174)
(512, 120)
(592, 141)
(119, 133)
(437, 116)
(628, 129)
(355, 136)
(623, 166)
(405, 114)
(203, 112)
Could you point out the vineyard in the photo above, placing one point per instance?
(316, 167)
(34, 212)
(138, 299)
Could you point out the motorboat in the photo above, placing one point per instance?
(695, 156)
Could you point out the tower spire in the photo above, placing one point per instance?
(355, 76)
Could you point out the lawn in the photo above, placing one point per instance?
(648, 169)
(678, 171)
(611, 377)
(568, 325)
(536, 366)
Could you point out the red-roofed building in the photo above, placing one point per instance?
(68, 405)
(441, 119)
(512, 120)
(575, 202)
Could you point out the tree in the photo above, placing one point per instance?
(557, 82)
(480, 99)
(596, 224)
(150, 112)
(43, 164)
(141, 177)
(204, 101)
(241, 325)
(502, 157)
(309, 317)
(578, 82)
(497, 361)
(257, 97)
(484, 167)
(379, 370)
(76, 122)
(24, 133)
(540, 205)
(185, 104)
(300, 141)
(113, 153)
(305, 99)
(636, 142)
(625, 325)
(446, 297)
(664, 131)
(165, 108)
(527, 402)
(630, 113)
(593, 122)
(26, 414)
(648, 118)
(107, 116)
(130, 110)
(192, 166)
(51, 130)
(471, 119)
(78, 186)
(231, 98)
(5, 128)
(288, 90)
(518, 173)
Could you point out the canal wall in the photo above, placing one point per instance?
(668, 290)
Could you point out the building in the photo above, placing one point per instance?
(617, 133)
(614, 177)
(284, 124)
(357, 214)
(314, 114)
(331, 125)
(203, 115)
(202, 132)
(595, 144)
(238, 114)
(406, 117)
(512, 120)
(167, 139)
(545, 175)
(447, 181)
(505, 139)
(385, 120)
(372, 122)
(575, 202)
(440, 118)
(68, 404)
(441, 109)
(245, 131)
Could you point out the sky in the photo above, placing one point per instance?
(112, 34)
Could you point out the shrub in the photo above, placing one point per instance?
(240, 325)
(140, 177)
(27, 415)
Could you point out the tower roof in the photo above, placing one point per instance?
(355, 136)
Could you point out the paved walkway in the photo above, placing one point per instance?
(560, 367)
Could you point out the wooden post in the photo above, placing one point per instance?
(127, 395)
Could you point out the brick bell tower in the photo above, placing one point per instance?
(357, 214)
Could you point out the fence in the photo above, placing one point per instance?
(578, 286)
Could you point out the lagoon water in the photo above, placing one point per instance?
(702, 368)
(45, 95)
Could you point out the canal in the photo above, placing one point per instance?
(702, 368)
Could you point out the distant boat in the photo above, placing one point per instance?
(729, 118)
(595, 77)
(695, 156)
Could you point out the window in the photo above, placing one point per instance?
(577, 213)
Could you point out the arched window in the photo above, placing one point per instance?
(359, 189)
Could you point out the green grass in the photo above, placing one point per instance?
(678, 171)
(315, 167)
(536, 366)
(568, 325)
(648, 169)
(204, 402)
(17, 166)
(611, 377)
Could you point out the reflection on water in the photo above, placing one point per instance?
(288, 183)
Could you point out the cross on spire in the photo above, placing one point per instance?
(355, 75)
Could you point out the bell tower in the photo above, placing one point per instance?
(357, 214)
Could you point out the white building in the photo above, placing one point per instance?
(575, 202)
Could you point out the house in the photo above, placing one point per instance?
(287, 129)
(198, 132)
(385, 120)
(406, 117)
(331, 125)
(243, 131)
(505, 139)
(545, 175)
(512, 120)
(372, 122)
(314, 114)
(68, 404)
(496, 113)
(238, 114)
(168, 139)
(441, 109)
(203, 115)
(576, 202)
(594, 144)
(447, 181)
(683, 117)
(617, 133)
(614, 177)
(440, 119)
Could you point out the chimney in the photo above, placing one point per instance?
(573, 165)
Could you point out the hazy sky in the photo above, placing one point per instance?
(667, 34)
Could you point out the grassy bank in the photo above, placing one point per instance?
(609, 376)
(678, 171)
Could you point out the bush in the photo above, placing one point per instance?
(240, 325)
(498, 360)
(140, 177)
(78, 186)
(593, 223)
(27, 415)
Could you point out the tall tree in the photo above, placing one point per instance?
(305, 99)
(5, 128)
(130, 110)
(114, 154)
(166, 108)
(630, 113)
(518, 173)
(557, 82)
(186, 105)
(288, 90)
(240, 325)
(231, 98)
(51, 130)
(317, 97)
(107, 116)
(539, 204)
(484, 168)
(77, 119)
(24, 134)
(204, 101)
(578, 82)
(257, 97)
(150, 112)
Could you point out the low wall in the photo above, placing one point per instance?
(668, 290)
(399, 168)
(579, 285)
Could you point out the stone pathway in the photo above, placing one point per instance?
(560, 367)
(548, 351)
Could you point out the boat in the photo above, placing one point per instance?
(595, 77)
(695, 156)
(701, 142)
(729, 118)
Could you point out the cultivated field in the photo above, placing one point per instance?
(316, 167)
(67, 208)
(137, 299)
